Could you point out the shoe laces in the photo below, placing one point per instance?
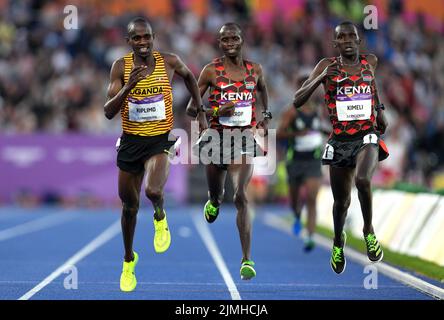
(337, 254)
(127, 270)
(160, 225)
(128, 273)
(371, 242)
(212, 210)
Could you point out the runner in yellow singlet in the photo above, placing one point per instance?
(140, 89)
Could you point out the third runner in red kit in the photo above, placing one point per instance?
(355, 146)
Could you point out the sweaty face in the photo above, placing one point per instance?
(347, 40)
(230, 41)
(141, 39)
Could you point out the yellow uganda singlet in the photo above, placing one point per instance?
(148, 109)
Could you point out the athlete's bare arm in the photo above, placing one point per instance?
(262, 86)
(117, 90)
(262, 93)
(373, 60)
(203, 84)
(323, 69)
(381, 120)
(183, 71)
(288, 116)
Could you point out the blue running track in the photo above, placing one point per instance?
(34, 243)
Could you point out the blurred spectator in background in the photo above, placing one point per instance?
(50, 77)
(302, 131)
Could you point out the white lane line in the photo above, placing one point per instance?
(35, 225)
(212, 284)
(211, 245)
(391, 272)
(100, 240)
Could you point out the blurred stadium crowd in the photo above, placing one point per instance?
(54, 80)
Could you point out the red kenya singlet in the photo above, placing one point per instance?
(242, 93)
(350, 99)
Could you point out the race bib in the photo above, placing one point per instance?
(308, 142)
(243, 110)
(354, 107)
(370, 138)
(147, 109)
(329, 152)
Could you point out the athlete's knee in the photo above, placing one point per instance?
(362, 183)
(154, 193)
(342, 204)
(240, 200)
(311, 201)
(130, 209)
(311, 197)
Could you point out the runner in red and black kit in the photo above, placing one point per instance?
(355, 146)
(234, 86)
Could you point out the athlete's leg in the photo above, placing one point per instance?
(366, 162)
(295, 204)
(129, 190)
(312, 186)
(240, 175)
(341, 182)
(216, 182)
(157, 168)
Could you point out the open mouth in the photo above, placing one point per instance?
(143, 50)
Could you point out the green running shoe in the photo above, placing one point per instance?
(337, 261)
(374, 250)
(128, 280)
(247, 270)
(210, 212)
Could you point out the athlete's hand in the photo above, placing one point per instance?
(381, 122)
(226, 109)
(331, 70)
(263, 125)
(135, 76)
(202, 119)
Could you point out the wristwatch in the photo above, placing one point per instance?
(380, 107)
(267, 115)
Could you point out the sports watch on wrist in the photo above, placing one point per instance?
(380, 107)
(267, 115)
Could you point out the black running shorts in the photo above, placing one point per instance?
(300, 170)
(222, 150)
(341, 153)
(133, 151)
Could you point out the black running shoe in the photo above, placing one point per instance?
(374, 250)
(337, 261)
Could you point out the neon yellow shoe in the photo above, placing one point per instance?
(162, 236)
(128, 280)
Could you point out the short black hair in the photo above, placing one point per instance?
(137, 20)
(343, 24)
(232, 25)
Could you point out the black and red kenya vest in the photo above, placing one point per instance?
(226, 88)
